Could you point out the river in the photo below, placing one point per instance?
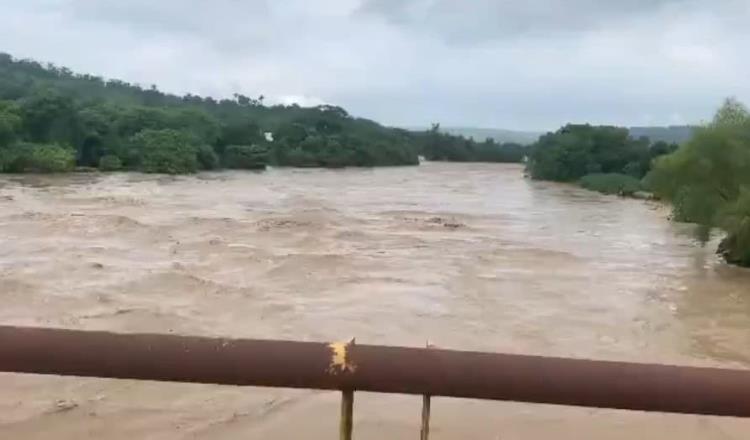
(467, 256)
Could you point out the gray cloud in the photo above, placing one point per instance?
(532, 65)
(490, 19)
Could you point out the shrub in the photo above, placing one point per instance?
(246, 157)
(166, 151)
(37, 158)
(611, 183)
(207, 158)
(110, 162)
(51, 159)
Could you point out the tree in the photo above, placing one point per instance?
(38, 158)
(101, 117)
(204, 127)
(207, 158)
(246, 157)
(49, 116)
(436, 145)
(577, 150)
(708, 179)
(110, 162)
(10, 123)
(165, 151)
(95, 130)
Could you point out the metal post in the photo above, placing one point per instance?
(424, 432)
(346, 422)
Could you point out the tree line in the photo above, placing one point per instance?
(576, 152)
(53, 120)
(437, 145)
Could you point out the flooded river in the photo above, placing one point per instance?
(467, 256)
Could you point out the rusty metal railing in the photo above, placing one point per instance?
(351, 367)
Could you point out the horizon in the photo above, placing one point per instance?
(535, 132)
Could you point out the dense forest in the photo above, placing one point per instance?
(603, 158)
(52, 120)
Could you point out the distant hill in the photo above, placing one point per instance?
(674, 133)
(498, 134)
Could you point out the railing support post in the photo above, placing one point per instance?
(424, 432)
(346, 422)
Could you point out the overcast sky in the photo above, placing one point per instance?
(527, 65)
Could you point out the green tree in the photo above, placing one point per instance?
(38, 158)
(10, 123)
(207, 158)
(49, 116)
(100, 117)
(246, 157)
(95, 131)
(708, 179)
(110, 162)
(577, 150)
(165, 151)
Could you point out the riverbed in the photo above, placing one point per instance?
(466, 256)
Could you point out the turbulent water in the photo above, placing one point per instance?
(465, 256)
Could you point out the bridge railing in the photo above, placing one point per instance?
(350, 367)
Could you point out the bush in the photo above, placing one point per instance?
(611, 183)
(37, 158)
(166, 151)
(51, 159)
(110, 162)
(245, 157)
(735, 220)
(8, 157)
(207, 158)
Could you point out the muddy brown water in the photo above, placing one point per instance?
(467, 256)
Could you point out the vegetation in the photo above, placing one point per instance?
(577, 150)
(708, 180)
(48, 113)
(248, 157)
(164, 151)
(611, 183)
(110, 162)
(437, 145)
(38, 158)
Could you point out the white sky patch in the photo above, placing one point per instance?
(302, 101)
(527, 66)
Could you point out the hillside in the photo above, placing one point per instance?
(52, 118)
